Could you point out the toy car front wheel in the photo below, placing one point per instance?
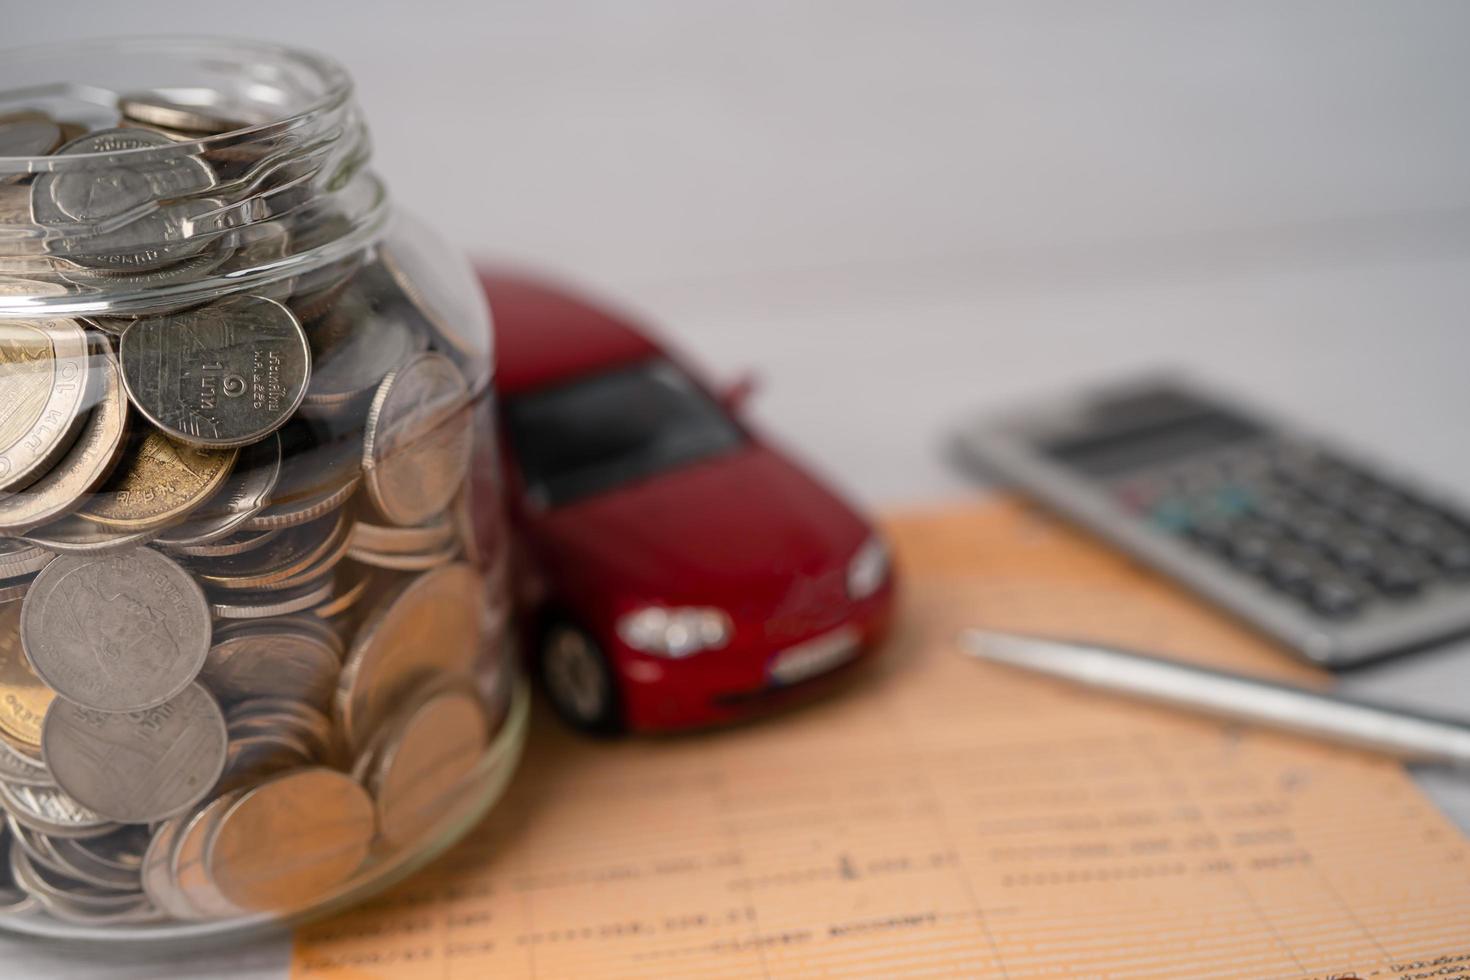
(578, 680)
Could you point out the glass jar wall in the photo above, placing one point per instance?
(253, 610)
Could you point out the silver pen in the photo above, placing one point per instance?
(1408, 735)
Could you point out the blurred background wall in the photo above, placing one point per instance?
(902, 212)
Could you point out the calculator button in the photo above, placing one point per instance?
(1336, 597)
(1452, 555)
(1355, 551)
(1313, 525)
(1276, 506)
(1417, 528)
(1398, 577)
(1214, 533)
(1290, 569)
(1249, 546)
(1374, 507)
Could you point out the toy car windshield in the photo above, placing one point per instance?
(601, 432)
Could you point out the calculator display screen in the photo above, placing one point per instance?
(1112, 449)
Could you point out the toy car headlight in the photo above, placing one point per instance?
(677, 632)
(868, 569)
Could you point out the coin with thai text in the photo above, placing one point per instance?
(240, 498)
(117, 177)
(45, 370)
(220, 375)
(86, 464)
(137, 766)
(159, 483)
(121, 632)
(418, 440)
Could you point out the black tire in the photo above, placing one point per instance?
(578, 680)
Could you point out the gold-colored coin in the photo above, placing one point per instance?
(160, 482)
(45, 381)
(426, 756)
(432, 627)
(24, 698)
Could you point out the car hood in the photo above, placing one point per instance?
(742, 531)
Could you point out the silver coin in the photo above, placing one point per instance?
(78, 538)
(235, 544)
(40, 848)
(16, 768)
(157, 872)
(50, 810)
(292, 714)
(14, 899)
(221, 375)
(45, 385)
(351, 366)
(67, 898)
(28, 138)
(418, 440)
(186, 864)
(169, 110)
(21, 557)
(280, 664)
(179, 271)
(285, 515)
(281, 729)
(261, 605)
(405, 561)
(86, 464)
(117, 633)
(79, 863)
(258, 247)
(316, 479)
(304, 623)
(158, 239)
(257, 758)
(445, 294)
(119, 178)
(15, 588)
(285, 557)
(121, 851)
(137, 766)
(244, 494)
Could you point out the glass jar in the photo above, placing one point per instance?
(254, 652)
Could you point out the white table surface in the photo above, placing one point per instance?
(902, 214)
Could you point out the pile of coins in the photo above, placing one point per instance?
(244, 601)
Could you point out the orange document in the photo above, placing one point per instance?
(938, 816)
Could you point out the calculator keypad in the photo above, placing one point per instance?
(1326, 532)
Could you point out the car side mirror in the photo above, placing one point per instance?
(738, 392)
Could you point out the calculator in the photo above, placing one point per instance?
(1327, 552)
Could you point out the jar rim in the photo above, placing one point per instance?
(336, 82)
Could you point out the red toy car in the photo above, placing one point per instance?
(675, 569)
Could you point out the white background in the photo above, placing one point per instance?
(900, 214)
